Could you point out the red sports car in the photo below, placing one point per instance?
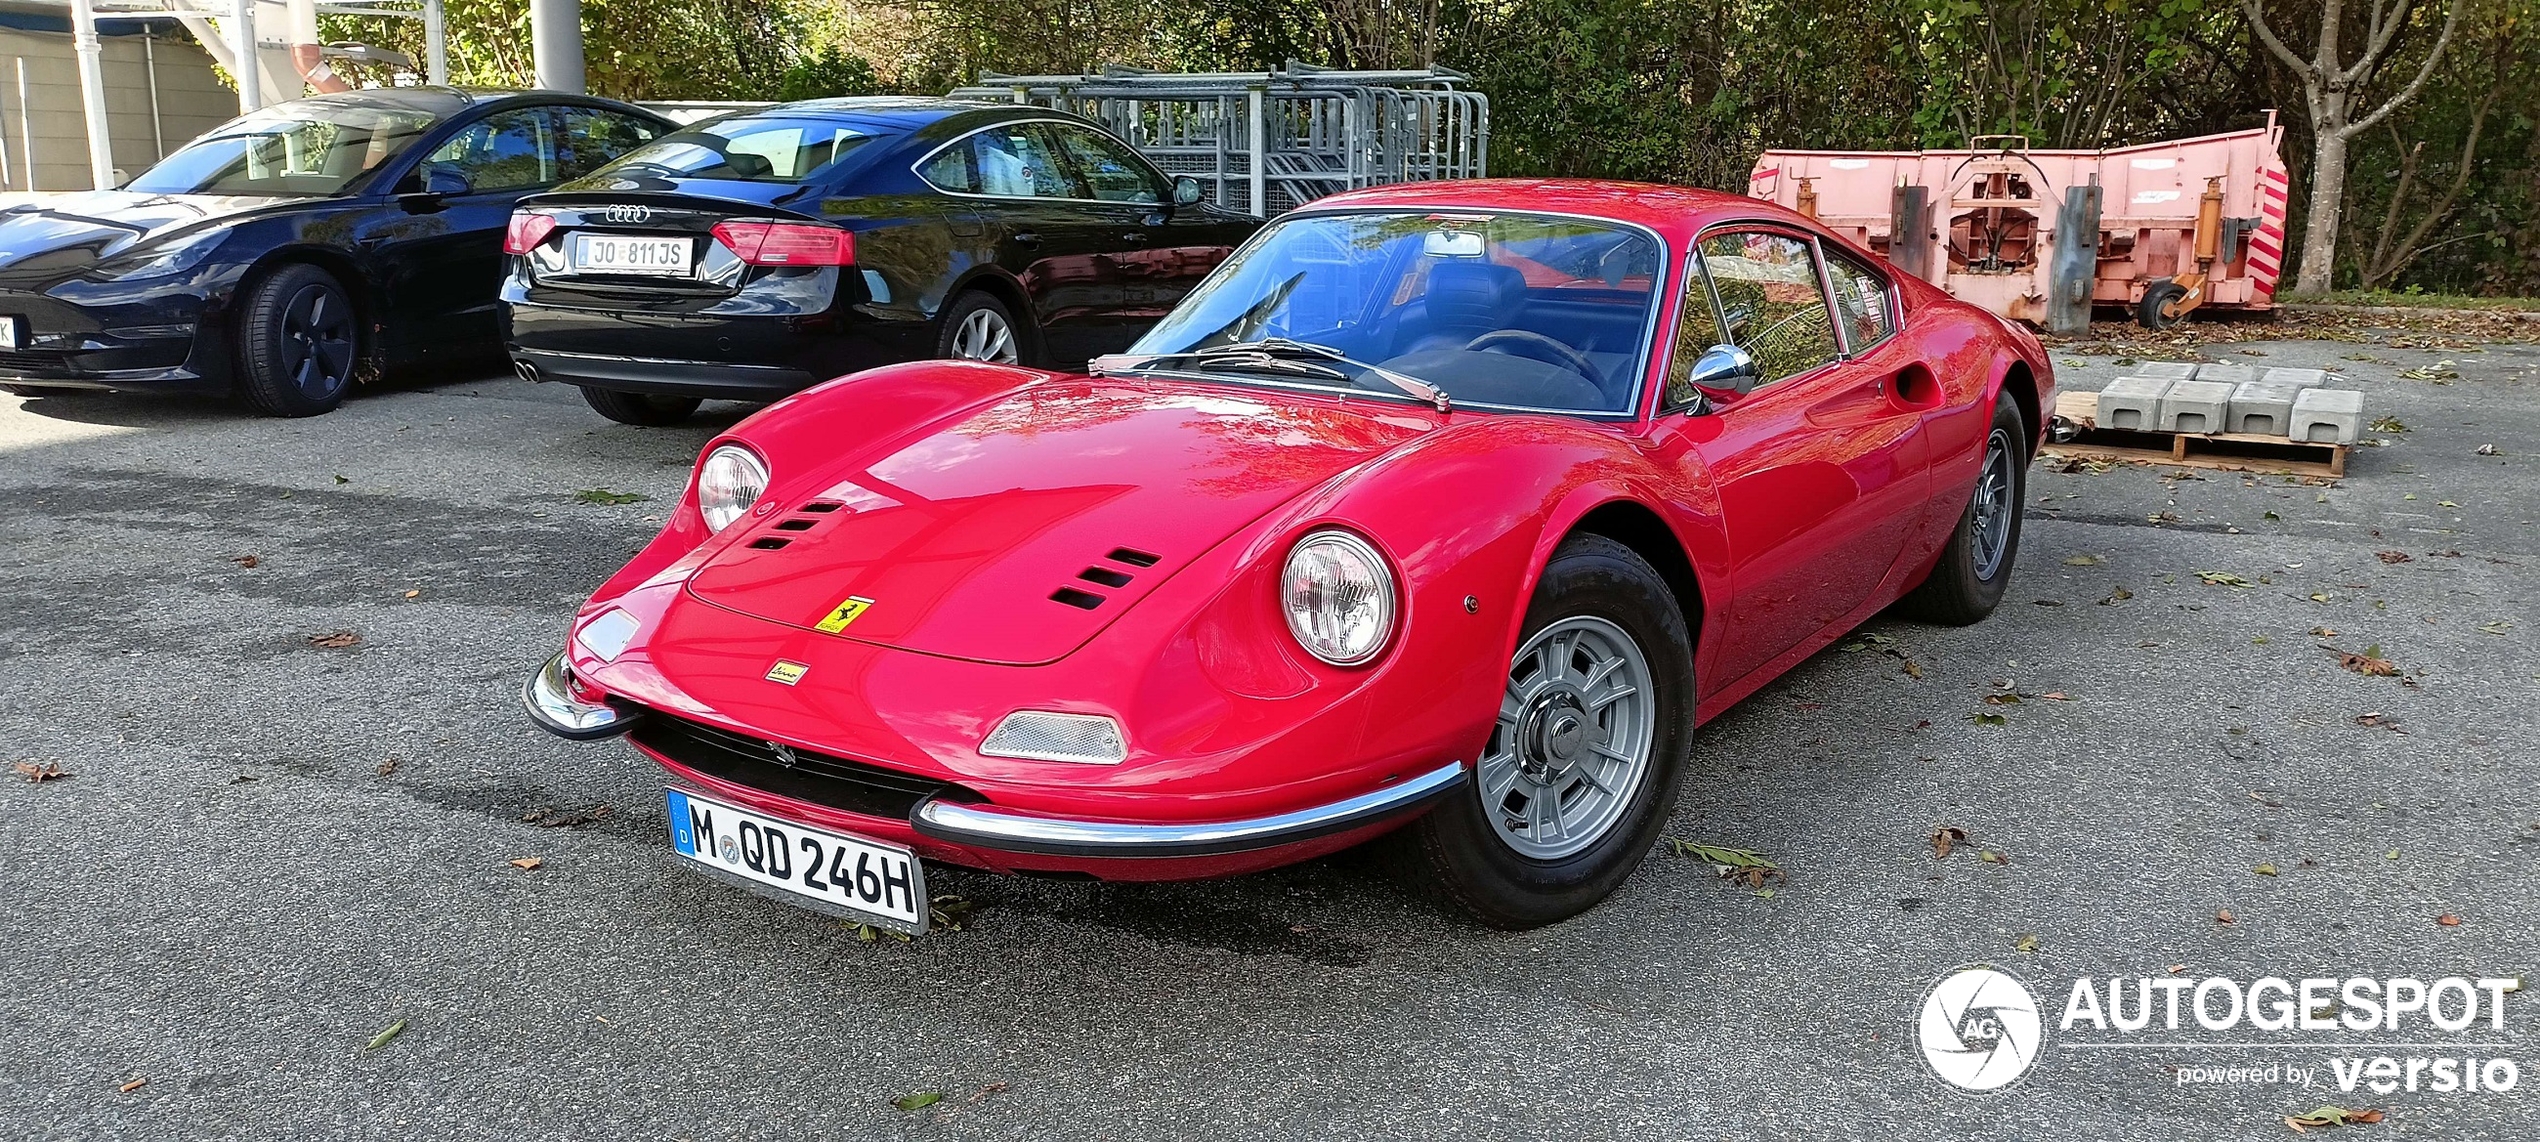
(1449, 509)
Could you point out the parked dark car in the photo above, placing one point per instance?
(750, 256)
(295, 248)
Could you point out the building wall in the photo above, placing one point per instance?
(191, 99)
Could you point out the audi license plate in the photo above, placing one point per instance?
(620, 254)
(851, 876)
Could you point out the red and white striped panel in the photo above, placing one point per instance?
(2266, 247)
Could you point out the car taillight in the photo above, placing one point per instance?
(786, 243)
(526, 231)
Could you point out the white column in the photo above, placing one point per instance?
(251, 93)
(92, 94)
(436, 46)
(555, 43)
(1260, 155)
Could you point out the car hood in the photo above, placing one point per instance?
(72, 231)
(1017, 531)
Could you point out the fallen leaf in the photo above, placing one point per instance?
(2052, 696)
(918, 1101)
(2389, 424)
(2223, 579)
(2012, 699)
(1745, 866)
(415, 594)
(2323, 632)
(1944, 838)
(1990, 856)
(2499, 626)
(2448, 920)
(2117, 596)
(38, 773)
(527, 862)
(388, 767)
(246, 561)
(2485, 450)
(2264, 870)
(2391, 556)
(343, 480)
(335, 641)
(1913, 668)
(2370, 663)
(390, 1032)
(2083, 561)
(1984, 719)
(997, 1087)
(2330, 1116)
(2026, 943)
(2445, 504)
(2222, 916)
(132, 1086)
(605, 496)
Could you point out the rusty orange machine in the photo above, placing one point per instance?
(2162, 229)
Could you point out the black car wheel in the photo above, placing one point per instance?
(1583, 766)
(298, 340)
(1975, 565)
(641, 409)
(978, 327)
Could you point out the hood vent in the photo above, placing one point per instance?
(1133, 557)
(1105, 576)
(1081, 600)
(1111, 577)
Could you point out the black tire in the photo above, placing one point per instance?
(299, 342)
(1457, 849)
(1961, 589)
(2156, 297)
(974, 308)
(641, 409)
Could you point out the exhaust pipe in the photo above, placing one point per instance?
(2059, 430)
(527, 371)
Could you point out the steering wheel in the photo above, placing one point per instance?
(1527, 343)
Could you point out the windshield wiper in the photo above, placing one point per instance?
(1279, 353)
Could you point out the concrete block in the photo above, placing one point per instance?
(2262, 406)
(2195, 406)
(2327, 416)
(2172, 370)
(2226, 374)
(2298, 378)
(2133, 403)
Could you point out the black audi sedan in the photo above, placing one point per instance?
(752, 255)
(297, 248)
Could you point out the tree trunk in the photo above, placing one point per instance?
(2327, 206)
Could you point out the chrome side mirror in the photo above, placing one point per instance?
(1186, 191)
(1726, 368)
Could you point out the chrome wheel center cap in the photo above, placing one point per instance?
(1554, 733)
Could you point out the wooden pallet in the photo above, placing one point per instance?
(2227, 451)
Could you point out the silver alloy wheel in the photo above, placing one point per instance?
(1576, 725)
(984, 336)
(1993, 506)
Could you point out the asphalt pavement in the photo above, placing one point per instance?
(266, 852)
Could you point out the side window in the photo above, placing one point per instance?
(1697, 329)
(508, 150)
(1767, 284)
(1105, 166)
(1860, 301)
(592, 137)
(1011, 160)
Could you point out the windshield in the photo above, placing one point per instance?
(308, 147)
(747, 148)
(1509, 311)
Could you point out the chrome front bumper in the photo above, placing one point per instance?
(549, 698)
(988, 827)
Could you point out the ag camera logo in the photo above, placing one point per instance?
(1979, 1029)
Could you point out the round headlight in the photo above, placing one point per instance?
(1338, 595)
(730, 480)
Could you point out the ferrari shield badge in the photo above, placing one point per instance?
(845, 612)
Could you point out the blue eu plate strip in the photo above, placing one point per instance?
(683, 831)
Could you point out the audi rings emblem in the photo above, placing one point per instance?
(626, 215)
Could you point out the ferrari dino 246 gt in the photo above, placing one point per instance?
(1443, 511)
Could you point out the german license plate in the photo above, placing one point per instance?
(829, 871)
(12, 332)
(621, 254)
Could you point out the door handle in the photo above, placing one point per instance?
(1027, 237)
(1135, 238)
